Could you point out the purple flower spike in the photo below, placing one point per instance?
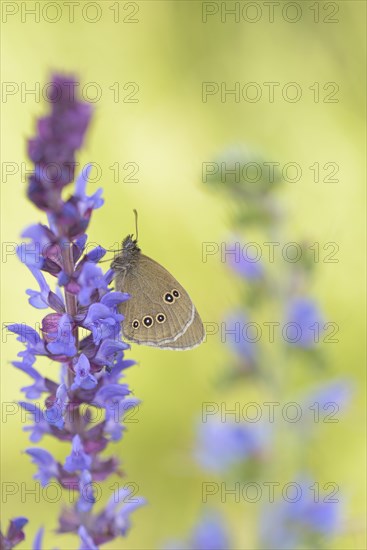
(53, 149)
(78, 459)
(83, 378)
(82, 301)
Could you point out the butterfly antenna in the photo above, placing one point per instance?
(136, 223)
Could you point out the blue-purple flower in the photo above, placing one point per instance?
(222, 445)
(210, 533)
(304, 323)
(14, 534)
(47, 465)
(83, 378)
(78, 458)
(238, 333)
(246, 263)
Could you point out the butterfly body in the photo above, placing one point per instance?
(159, 312)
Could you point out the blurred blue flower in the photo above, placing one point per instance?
(305, 323)
(243, 262)
(210, 533)
(222, 445)
(336, 393)
(238, 334)
(289, 525)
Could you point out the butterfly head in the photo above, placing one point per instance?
(129, 251)
(130, 244)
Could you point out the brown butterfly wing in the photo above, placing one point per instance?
(148, 282)
(191, 338)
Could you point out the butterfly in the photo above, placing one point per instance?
(159, 312)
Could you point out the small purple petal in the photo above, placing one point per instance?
(35, 390)
(96, 254)
(30, 255)
(111, 393)
(86, 541)
(37, 541)
(87, 498)
(54, 414)
(112, 299)
(26, 333)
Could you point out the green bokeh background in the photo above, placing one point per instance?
(169, 133)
